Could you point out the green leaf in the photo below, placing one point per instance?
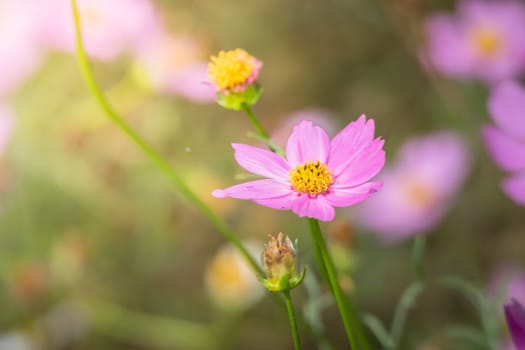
(379, 330)
(466, 333)
(406, 301)
(469, 291)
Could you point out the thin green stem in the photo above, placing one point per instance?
(293, 321)
(255, 121)
(418, 249)
(406, 302)
(326, 260)
(148, 150)
(262, 134)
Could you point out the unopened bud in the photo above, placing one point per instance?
(279, 263)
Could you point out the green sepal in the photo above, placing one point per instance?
(284, 284)
(236, 100)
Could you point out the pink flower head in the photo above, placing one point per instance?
(418, 187)
(19, 52)
(317, 174)
(505, 141)
(483, 40)
(173, 64)
(233, 70)
(109, 27)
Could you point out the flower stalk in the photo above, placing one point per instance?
(325, 262)
(279, 260)
(293, 321)
(261, 132)
(148, 150)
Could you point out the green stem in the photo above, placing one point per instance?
(326, 261)
(155, 157)
(255, 121)
(293, 321)
(406, 302)
(262, 134)
(418, 249)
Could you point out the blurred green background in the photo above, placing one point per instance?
(99, 252)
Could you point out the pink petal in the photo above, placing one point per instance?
(258, 189)
(363, 166)
(317, 208)
(346, 145)
(440, 160)
(447, 50)
(507, 108)
(508, 153)
(307, 142)
(261, 162)
(348, 141)
(279, 203)
(514, 187)
(344, 197)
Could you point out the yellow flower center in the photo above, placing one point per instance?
(225, 276)
(231, 68)
(419, 194)
(311, 177)
(486, 41)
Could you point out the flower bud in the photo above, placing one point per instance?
(279, 263)
(234, 74)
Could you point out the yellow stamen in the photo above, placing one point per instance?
(230, 69)
(486, 41)
(311, 177)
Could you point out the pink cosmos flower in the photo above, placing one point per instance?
(419, 187)
(109, 28)
(505, 141)
(173, 64)
(317, 174)
(19, 52)
(483, 40)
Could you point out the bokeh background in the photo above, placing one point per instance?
(97, 251)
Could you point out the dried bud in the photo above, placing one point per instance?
(279, 263)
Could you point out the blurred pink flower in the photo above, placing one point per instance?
(483, 40)
(418, 188)
(109, 28)
(505, 141)
(173, 64)
(317, 175)
(19, 52)
(508, 283)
